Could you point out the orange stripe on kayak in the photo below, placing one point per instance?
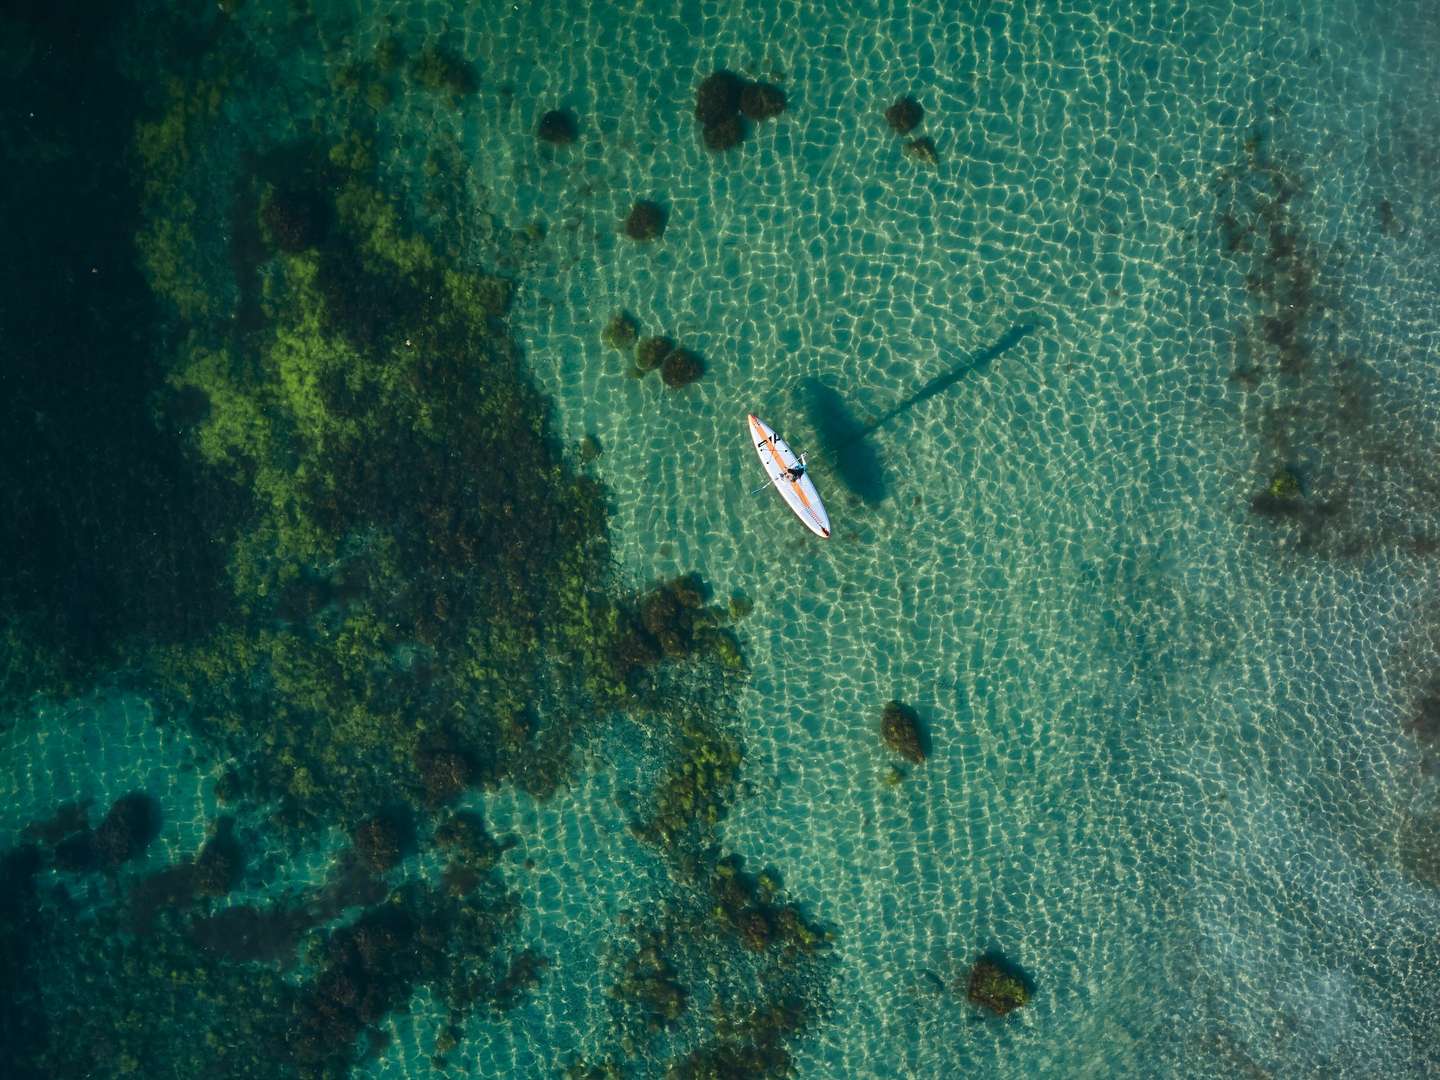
(769, 441)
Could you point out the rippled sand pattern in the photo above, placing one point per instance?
(1164, 774)
(1168, 770)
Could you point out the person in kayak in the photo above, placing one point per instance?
(795, 471)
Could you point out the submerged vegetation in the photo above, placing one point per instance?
(1339, 472)
(997, 986)
(402, 593)
(900, 728)
(724, 101)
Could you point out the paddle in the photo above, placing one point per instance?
(767, 483)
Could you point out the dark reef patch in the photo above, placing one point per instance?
(1353, 441)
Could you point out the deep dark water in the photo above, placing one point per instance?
(105, 534)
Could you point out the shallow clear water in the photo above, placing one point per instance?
(1169, 772)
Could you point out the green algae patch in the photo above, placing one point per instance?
(997, 986)
(416, 546)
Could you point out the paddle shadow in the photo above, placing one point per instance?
(842, 442)
(843, 435)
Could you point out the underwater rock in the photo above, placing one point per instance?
(646, 222)
(900, 728)
(621, 331)
(681, 368)
(754, 928)
(718, 98)
(652, 352)
(558, 127)
(689, 589)
(761, 101)
(590, 449)
(724, 134)
(649, 984)
(904, 116)
(922, 150)
(992, 986)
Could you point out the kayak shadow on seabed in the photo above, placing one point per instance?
(843, 436)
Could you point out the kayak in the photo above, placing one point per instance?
(777, 457)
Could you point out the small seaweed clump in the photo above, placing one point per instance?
(749, 1042)
(648, 983)
(1285, 484)
(444, 773)
(651, 353)
(761, 101)
(995, 986)
(681, 368)
(718, 97)
(724, 134)
(900, 728)
(747, 904)
(904, 115)
(675, 615)
(443, 71)
(472, 851)
(646, 222)
(558, 127)
(922, 150)
(372, 966)
(621, 331)
(695, 790)
(670, 621)
(723, 98)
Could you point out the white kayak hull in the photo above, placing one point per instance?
(800, 495)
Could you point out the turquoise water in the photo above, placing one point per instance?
(1170, 772)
